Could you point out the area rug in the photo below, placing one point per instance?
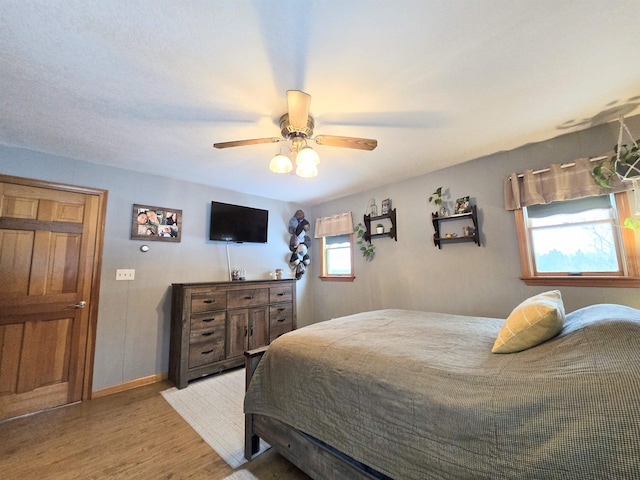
(213, 408)
(241, 475)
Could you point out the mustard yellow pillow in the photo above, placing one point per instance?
(532, 322)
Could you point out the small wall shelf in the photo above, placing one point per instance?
(391, 216)
(439, 238)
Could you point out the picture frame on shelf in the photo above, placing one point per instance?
(386, 206)
(156, 223)
(462, 205)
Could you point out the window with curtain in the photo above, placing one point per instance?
(575, 237)
(569, 229)
(336, 247)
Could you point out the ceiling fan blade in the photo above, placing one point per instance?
(347, 142)
(240, 143)
(298, 103)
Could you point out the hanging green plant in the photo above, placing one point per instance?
(632, 222)
(367, 248)
(625, 164)
(436, 197)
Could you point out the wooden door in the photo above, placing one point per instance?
(50, 245)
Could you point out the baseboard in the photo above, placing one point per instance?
(138, 382)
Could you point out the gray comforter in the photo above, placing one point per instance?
(419, 395)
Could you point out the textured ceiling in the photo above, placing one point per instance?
(151, 85)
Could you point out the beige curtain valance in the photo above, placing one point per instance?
(556, 183)
(334, 225)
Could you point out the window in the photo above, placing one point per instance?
(578, 242)
(337, 257)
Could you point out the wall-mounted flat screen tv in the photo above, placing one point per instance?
(235, 223)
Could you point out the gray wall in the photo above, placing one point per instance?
(460, 278)
(134, 316)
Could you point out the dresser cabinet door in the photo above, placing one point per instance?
(237, 331)
(247, 328)
(258, 327)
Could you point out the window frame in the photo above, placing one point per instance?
(333, 277)
(630, 257)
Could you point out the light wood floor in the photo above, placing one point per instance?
(128, 435)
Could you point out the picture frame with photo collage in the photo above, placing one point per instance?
(156, 223)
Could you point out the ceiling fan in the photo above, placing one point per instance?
(297, 125)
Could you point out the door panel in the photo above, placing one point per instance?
(237, 331)
(15, 260)
(259, 327)
(49, 239)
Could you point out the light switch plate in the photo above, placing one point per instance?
(125, 274)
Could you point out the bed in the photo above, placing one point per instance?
(416, 395)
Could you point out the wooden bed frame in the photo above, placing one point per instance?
(315, 458)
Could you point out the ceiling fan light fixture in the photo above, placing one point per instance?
(306, 168)
(280, 163)
(307, 154)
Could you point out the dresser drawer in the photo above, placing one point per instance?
(205, 352)
(280, 320)
(215, 335)
(247, 297)
(208, 321)
(277, 330)
(280, 294)
(280, 313)
(208, 301)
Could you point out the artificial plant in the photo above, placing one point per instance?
(367, 248)
(625, 163)
(436, 197)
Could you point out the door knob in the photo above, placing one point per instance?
(80, 304)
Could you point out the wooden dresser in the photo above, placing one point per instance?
(212, 324)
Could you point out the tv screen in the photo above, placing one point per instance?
(235, 223)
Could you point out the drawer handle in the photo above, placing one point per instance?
(207, 352)
(209, 301)
(248, 297)
(281, 320)
(281, 294)
(208, 334)
(207, 320)
(281, 309)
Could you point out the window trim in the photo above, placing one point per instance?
(630, 256)
(332, 277)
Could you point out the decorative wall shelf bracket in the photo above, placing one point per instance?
(392, 232)
(440, 237)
